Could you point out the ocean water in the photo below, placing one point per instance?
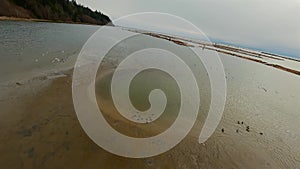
(35, 47)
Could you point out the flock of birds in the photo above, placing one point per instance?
(242, 123)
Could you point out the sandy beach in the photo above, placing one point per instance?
(6, 18)
(39, 127)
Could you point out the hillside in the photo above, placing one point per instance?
(54, 10)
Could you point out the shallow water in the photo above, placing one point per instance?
(144, 83)
(37, 47)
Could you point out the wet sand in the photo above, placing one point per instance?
(39, 127)
(40, 130)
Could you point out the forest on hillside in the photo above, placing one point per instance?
(56, 10)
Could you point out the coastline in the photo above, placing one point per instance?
(260, 57)
(212, 46)
(7, 18)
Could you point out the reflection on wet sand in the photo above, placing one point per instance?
(45, 133)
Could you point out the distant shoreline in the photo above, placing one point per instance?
(7, 18)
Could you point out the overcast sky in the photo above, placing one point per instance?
(272, 25)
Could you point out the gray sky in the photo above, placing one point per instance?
(272, 25)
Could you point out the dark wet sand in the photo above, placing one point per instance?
(40, 130)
